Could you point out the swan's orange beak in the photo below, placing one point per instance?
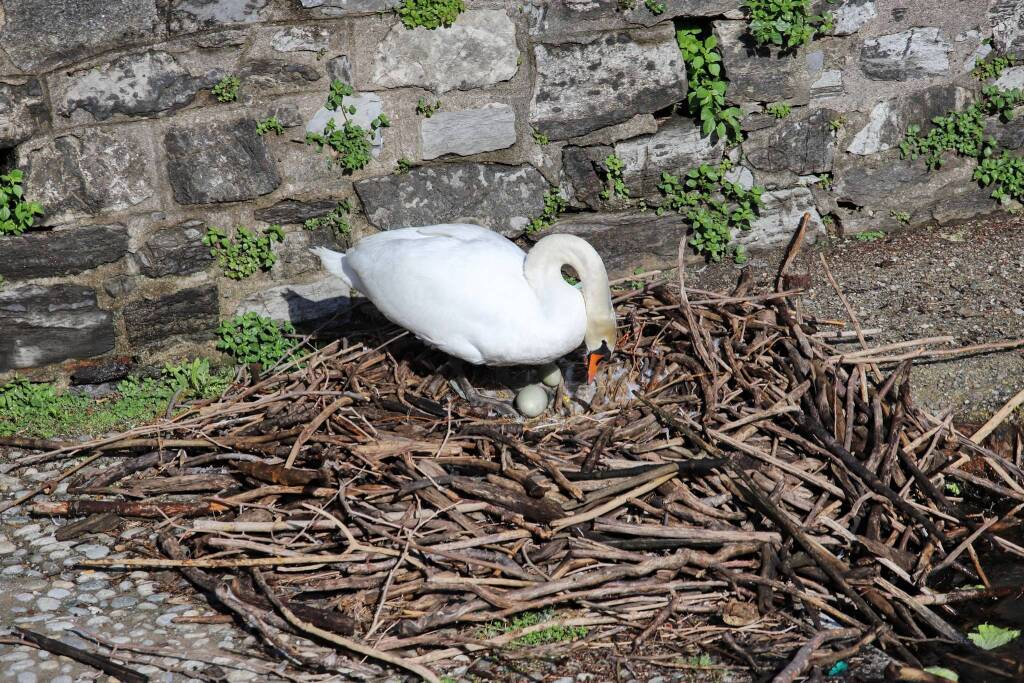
(593, 360)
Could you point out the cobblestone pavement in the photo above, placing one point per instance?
(41, 589)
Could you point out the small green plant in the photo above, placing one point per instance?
(427, 109)
(779, 110)
(953, 488)
(637, 284)
(785, 23)
(989, 637)
(16, 213)
(963, 132)
(403, 166)
(430, 14)
(269, 125)
(825, 181)
(992, 67)
(246, 253)
(540, 138)
(352, 144)
(40, 410)
(552, 634)
(715, 206)
(226, 89)
(337, 220)
(252, 338)
(870, 235)
(554, 204)
(655, 7)
(613, 178)
(836, 124)
(706, 96)
(901, 217)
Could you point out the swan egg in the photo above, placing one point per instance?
(531, 401)
(551, 375)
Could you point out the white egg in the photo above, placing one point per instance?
(551, 375)
(531, 401)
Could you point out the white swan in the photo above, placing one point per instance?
(478, 297)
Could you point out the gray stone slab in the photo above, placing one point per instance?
(609, 78)
(47, 324)
(23, 111)
(177, 250)
(478, 50)
(468, 132)
(503, 198)
(219, 162)
(62, 252)
(920, 52)
(189, 312)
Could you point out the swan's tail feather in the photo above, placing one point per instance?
(334, 263)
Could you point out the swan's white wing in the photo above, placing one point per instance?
(461, 288)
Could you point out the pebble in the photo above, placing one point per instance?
(13, 570)
(59, 593)
(93, 551)
(27, 677)
(47, 604)
(6, 547)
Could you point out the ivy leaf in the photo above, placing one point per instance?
(989, 636)
(942, 672)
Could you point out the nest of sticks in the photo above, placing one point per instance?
(737, 482)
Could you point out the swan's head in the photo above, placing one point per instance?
(599, 339)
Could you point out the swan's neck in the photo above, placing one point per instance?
(543, 271)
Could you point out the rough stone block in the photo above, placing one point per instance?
(760, 74)
(888, 120)
(850, 15)
(193, 15)
(340, 8)
(628, 240)
(62, 252)
(48, 324)
(135, 85)
(293, 211)
(468, 132)
(779, 218)
(479, 49)
(580, 166)
(23, 112)
(277, 75)
(677, 147)
(187, 312)
(219, 162)
(43, 33)
(915, 53)
(553, 21)
(584, 86)
(300, 39)
(88, 172)
(177, 250)
(802, 143)
(1007, 17)
(503, 198)
(319, 300)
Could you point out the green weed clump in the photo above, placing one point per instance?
(16, 213)
(39, 410)
(993, 67)
(269, 125)
(245, 253)
(430, 14)
(352, 144)
(555, 633)
(706, 96)
(226, 89)
(963, 132)
(613, 167)
(554, 204)
(714, 206)
(337, 220)
(252, 338)
(779, 110)
(785, 23)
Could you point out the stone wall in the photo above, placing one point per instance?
(107, 107)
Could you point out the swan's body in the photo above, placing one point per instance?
(477, 296)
